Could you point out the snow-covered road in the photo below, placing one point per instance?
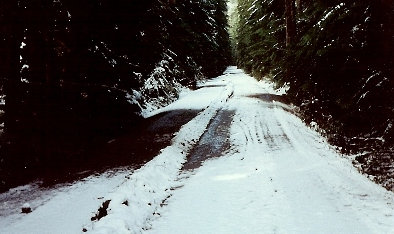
(264, 171)
(279, 177)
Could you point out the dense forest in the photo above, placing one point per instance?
(72, 72)
(337, 58)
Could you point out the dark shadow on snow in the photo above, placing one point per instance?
(266, 97)
(210, 86)
(132, 149)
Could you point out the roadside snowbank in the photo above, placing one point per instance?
(68, 208)
(137, 199)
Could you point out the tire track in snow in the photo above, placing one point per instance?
(313, 172)
(330, 184)
(281, 177)
(214, 142)
(137, 200)
(265, 129)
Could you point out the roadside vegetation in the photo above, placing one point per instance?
(75, 74)
(337, 60)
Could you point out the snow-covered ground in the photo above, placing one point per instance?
(278, 177)
(64, 209)
(281, 177)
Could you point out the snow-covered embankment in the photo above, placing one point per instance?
(137, 199)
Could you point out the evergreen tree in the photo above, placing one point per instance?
(79, 71)
(339, 66)
(290, 21)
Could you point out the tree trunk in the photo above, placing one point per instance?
(290, 21)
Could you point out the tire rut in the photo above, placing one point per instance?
(214, 142)
(266, 130)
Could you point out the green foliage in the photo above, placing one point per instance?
(259, 35)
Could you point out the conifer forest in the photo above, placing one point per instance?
(196, 116)
(76, 74)
(338, 64)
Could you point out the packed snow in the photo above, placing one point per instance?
(278, 177)
(136, 201)
(281, 177)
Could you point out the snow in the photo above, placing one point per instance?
(134, 97)
(198, 99)
(26, 208)
(278, 177)
(160, 88)
(23, 44)
(149, 186)
(64, 209)
(24, 80)
(281, 177)
(26, 205)
(328, 14)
